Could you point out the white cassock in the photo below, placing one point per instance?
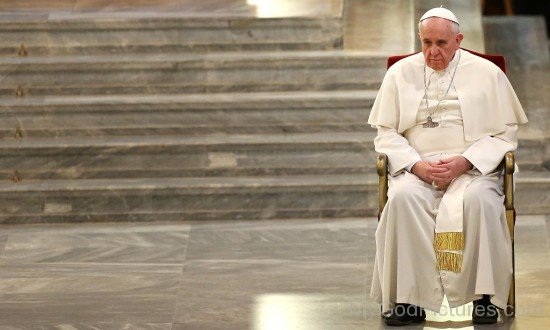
(478, 119)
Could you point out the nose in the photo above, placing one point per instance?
(434, 50)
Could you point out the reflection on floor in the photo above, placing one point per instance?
(291, 274)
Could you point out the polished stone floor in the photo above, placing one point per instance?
(288, 274)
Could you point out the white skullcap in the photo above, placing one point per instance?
(440, 12)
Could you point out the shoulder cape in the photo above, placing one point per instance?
(487, 100)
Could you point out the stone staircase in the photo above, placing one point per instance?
(149, 119)
(185, 118)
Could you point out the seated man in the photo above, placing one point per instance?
(445, 118)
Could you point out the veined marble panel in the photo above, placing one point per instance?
(90, 326)
(284, 274)
(185, 114)
(523, 41)
(188, 8)
(149, 36)
(86, 308)
(141, 244)
(59, 276)
(532, 264)
(384, 26)
(193, 73)
(307, 241)
(192, 198)
(271, 284)
(169, 156)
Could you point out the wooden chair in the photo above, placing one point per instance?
(508, 164)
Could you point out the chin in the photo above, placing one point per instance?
(437, 67)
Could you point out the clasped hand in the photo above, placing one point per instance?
(442, 173)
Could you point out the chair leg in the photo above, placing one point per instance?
(511, 305)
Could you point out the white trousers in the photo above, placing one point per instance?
(405, 265)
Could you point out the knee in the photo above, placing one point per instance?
(480, 196)
(404, 195)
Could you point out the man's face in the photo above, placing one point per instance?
(439, 43)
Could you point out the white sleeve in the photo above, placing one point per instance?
(401, 156)
(487, 153)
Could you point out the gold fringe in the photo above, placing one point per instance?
(449, 261)
(449, 241)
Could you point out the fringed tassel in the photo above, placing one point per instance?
(449, 241)
(449, 261)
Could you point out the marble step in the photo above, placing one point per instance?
(532, 194)
(192, 156)
(187, 199)
(220, 155)
(282, 197)
(126, 35)
(79, 116)
(192, 73)
(531, 152)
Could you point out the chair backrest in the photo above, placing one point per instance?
(498, 60)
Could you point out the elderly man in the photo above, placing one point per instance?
(445, 118)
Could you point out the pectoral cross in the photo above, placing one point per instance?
(430, 123)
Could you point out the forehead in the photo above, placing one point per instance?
(436, 27)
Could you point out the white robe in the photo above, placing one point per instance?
(405, 268)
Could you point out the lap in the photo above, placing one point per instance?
(407, 183)
(408, 186)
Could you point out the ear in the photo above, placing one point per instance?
(459, 38)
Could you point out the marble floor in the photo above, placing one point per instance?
(287, 274)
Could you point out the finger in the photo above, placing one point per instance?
(439, 170)
(445, 167)
(437, 180)
(440, 176)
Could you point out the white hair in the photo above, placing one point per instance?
(455, 28)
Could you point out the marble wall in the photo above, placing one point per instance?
(523, 41)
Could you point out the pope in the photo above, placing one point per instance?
(445, 118)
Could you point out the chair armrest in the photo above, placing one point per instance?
(509, 168)
(382, 170)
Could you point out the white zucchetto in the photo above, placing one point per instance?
(442, 13)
